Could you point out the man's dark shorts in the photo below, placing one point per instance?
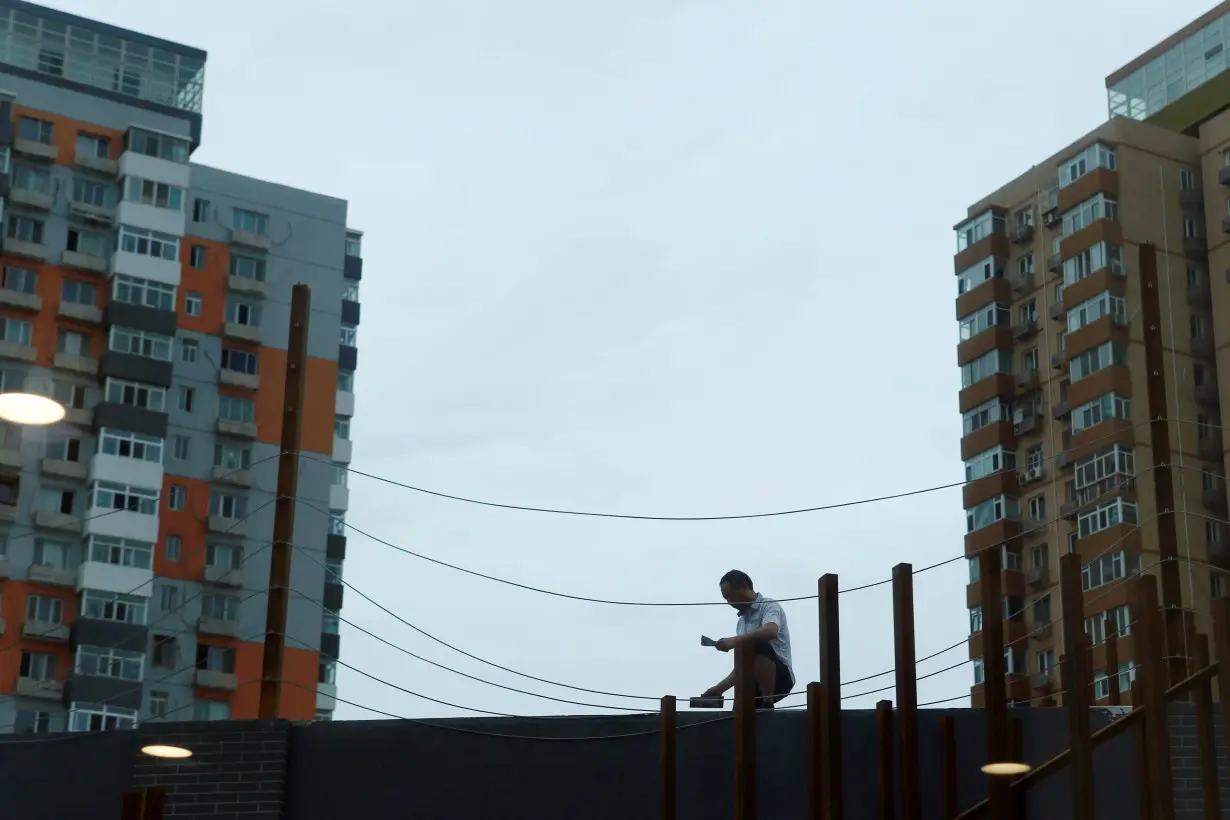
(783, 681)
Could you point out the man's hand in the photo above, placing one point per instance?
(714, 692)
(726, 644)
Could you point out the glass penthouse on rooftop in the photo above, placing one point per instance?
(1182, 68)
(102, 56)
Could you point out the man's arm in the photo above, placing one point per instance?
(766, 632)
(722, 687)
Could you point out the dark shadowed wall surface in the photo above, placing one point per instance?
(58, 777)
(448, 772)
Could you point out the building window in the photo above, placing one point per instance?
(44, 609)
(1117, 620)
(21, 280)
(341, 474)
(111, 496)
(228, 505)
(196, 257)
(350, 293)
(154, 194)
(106, 662)
(215, 658)
(185, 397)
(999, 508)
(345, 381)
(176, 497)
(86, 717)
(1105, 355)
(203, 709)
(243, 313)
(200, 210)
(149, 243)
(1109, 568)
(130, 445)
(25, 229)
(134, 291)
(77, 293)
(159, 704)
(235, 409)
(221, 556)
(328, 671)
(168, 598)
(246, 267)
(29, 722)
(180, 447)
(980, 466)
(55, 500)
(192, 303)
(89, 192)
(188, 349)
(1093, 157)
(162, 146)
(1189, 225)
(141, 343)
(1187, 179)
(239, 361)
(1197, 326)
(250, 221)
(996, 361)
(111, 606)
(330, 622)
(1099, 206)
(35, 130)
(134, 394)
(232, 457)
(354, 243)
(92, 145)
(220, 607)
(73, 343)
(38, 665)
(341, 427)
(1090, 310)
(63, 447)
(173, 547)
(166, 652)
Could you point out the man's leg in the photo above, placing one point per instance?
(765, 672)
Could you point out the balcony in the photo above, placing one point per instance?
(1215, 497)
(1021, 234)
(29, 198)
(237, 429)
(247, 333)
(1070, 509)
(36, 150)
(233, 378)
(81, 313)
(84, 261)
(1223, 175)
(1038, 576)
(1198, 246)
(209, 679)
(1039, 681)
(217, 626)
(252, 287)
(1199, 294)
(1219, 551)
(339, 497)
(343, 403)
(1209, 446)
(1059, 361)
(1022, 282)
(45, 631)
(1029, 525)
(1027, 380)
(227, 526)
(1025, 423)
(1202, 347)
(1191, 197)
(223, 576)
(53, 576)
(100, 165)
(1057, 310)
(21, 300)
(343, 450)
(39, 689)
(1054, 263)
(1043, 631)
(77, 364)
(27, 250)
(115, 578)
(1208, 395)
(1060, 410)
(238, 478)
(1025, 329)
(250, 239)
(80, 416)
(60, 522)
(58, 468)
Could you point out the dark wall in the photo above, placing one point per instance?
(373, 767)
(54, 777)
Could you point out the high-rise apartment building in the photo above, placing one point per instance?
(1093, 294)
(151, 296)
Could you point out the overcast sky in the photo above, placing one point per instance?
(657, 257)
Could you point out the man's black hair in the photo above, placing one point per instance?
(737, 578)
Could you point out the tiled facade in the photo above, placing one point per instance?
(1093, 296)
(151, 296)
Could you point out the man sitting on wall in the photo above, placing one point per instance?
(762, 622)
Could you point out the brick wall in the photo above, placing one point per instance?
(1185, 762)
(237, 771)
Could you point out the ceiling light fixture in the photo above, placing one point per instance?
(160, 750)
(1006, 768)
(30, 409)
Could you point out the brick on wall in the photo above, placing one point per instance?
(237, 771)
(1185, 762)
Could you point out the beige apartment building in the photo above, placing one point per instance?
(1093, 296)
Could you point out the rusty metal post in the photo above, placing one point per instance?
(1206, 735)
(815, 735)
(745, 732)
(994, 691)
(948, 767)
(885, 775)
(1016, 749)
(1144, 799)
(668, 762)
(1221, 646)
(144, 804)
(1149, 640)
(830, 676)
(1078, 698)
(1112, 666)
(906, 679)
(274, 651)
